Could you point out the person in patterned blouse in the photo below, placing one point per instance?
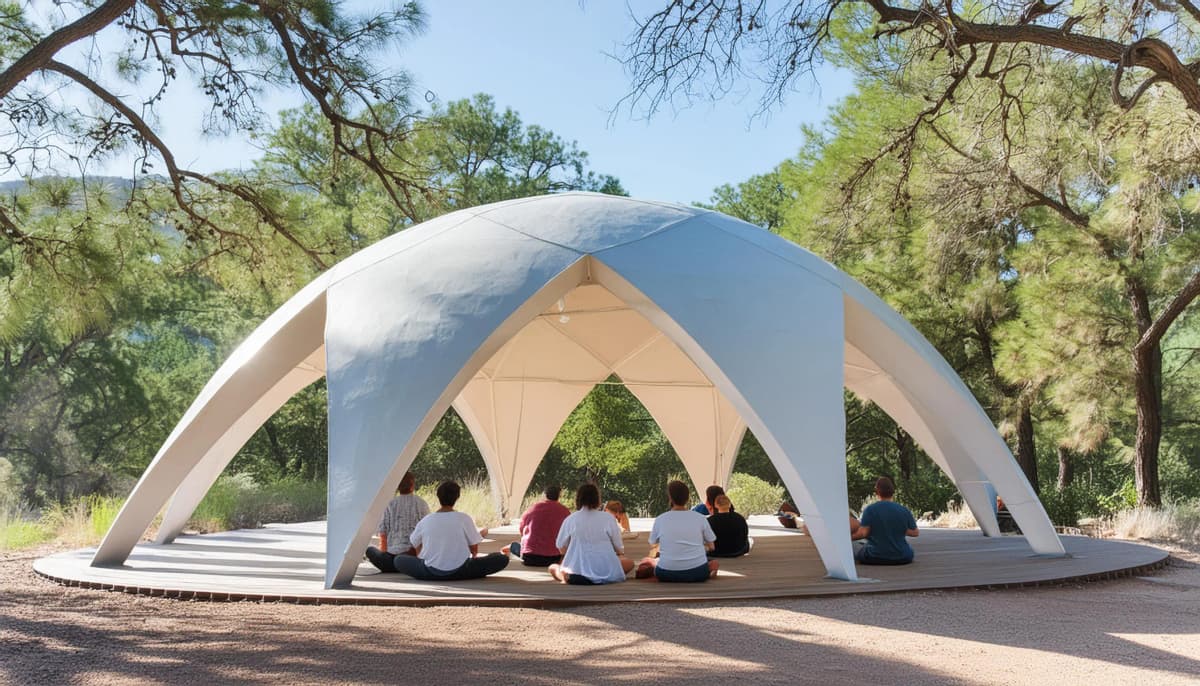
(401, 517)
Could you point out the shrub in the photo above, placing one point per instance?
(19, 530)
(751, 495)
(1125, 498)
(1064, 507)
(238, 502)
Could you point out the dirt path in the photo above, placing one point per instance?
(1135, 631)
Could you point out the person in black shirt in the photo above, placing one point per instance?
(733, 536)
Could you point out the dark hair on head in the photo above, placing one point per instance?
(447, 493)
(678, 492)
(711, 493)
(884, 487)
(552, 492)
(407, 483)
(588, 496)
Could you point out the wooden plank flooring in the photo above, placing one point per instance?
(287, 562)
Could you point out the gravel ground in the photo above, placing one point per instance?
(1134, 631)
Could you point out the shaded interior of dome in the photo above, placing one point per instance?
(518, 401)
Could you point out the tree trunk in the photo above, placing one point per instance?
(1066, 468)
(277, 451)
(37, 56)
(1147, 386)
(1026, 449)
(904, 447)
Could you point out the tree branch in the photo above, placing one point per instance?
(48, 47)
(178, 174)
(1170, 313)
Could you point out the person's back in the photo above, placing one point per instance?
(539, 527)
(886, 525)
(400, 518)
(681, 535)
(592, 538)
(445, 539)
(683, 538)
(733, 534)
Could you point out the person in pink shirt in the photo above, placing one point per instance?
(539, 531)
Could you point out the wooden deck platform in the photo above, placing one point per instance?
(286, 563)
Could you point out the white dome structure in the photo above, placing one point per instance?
(512, 312)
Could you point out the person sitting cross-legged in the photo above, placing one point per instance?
(885, 524)
(447, 544)
(539, 528)
(733, 534)
(590, 540)
(683, 538)
(400, 518)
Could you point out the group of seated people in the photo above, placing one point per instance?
(586, 547)
(583, 547)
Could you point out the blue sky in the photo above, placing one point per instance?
(547, 60)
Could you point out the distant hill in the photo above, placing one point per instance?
(117, 183)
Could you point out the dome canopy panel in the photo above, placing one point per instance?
(587, 223)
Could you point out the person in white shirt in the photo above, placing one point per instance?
(590, 541)
(683, 538)
(400, 518)
(447, 545)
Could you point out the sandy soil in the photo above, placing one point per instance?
(1135, 631)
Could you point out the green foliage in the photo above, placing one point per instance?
(17, 533)
(237, 501)
(751, 495)
(480, 155)
(1066, 506)
(1123, 499)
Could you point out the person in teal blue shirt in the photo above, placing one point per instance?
(886, 526)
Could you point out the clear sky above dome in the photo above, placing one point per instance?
(550, 61)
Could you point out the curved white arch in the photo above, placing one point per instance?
(255, 377)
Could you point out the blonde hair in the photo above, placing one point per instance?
(723, 501)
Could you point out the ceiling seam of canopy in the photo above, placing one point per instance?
(650, 234)
(531, 236)
(578, 382)
(494, 438)
(639, 350)
(509, 346)
(591, 353)
(717, 448)
(779, 256)
(572, 313)
(512, 476)
(336, 277)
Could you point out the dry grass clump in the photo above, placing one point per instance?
(956, 516)
(476, 500)
(1177, 522)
